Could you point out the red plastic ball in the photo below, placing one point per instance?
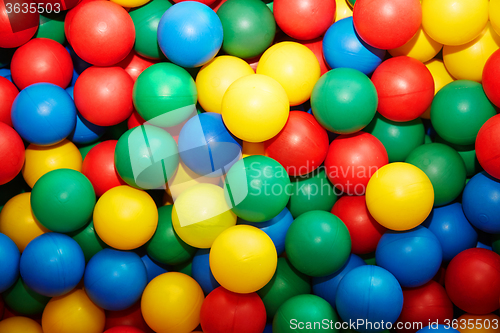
(135, 120)
(387, 24)
(488, 146)
(124, 329)
(491, 73)
(57, 5)
(103, 95)
(99, 167)
(206, 2)
(102, 33)
(364, 230)
(8, 93)
(301, 145)
(473, 281)
(134, 64)
(424, 304)
(16, 29)
(11, 153)
(352, 159)
(68, 19)
(41, 60)
(226, 312)
(130, 317)
(304, 19)
(405, 88)
(316, 46)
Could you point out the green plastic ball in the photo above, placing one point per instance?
(186, 268)
(496, 243)
(444, 167)
(468, 154)
(311, 192)
(165, 95)
(459, 110)
(344, 100)
(249, 27)
(286, 283)
(52, 27)
(146, 157)
(318, 243)
(351, 2)
(257, 188)
(146, 19)
(63, 200)
(398, 138)
(88, 240)
(23, 300)
(165, 246)
(306, 310)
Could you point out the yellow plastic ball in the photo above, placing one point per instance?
(185, 178)
(125, 217)
(171, 303)
(243, 259)
(294, 66)
(200, 214)
(42, 159)
(454, 22)
(130, 3)
(73, 312)
(252, 148)
(495, 15)
(255, 108)
(342, 10)
(441, 78)
(421, 47)
(399, 196)
(214, 78)
(466, 62)
(491, 321)
(18, 222)
(20, 325)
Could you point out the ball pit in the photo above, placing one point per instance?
(486, 146)
(420, 47)
(23, 300)
(9, 92)
(9, 258)
(12, 149)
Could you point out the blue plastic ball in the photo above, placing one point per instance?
(200, 270)
(412, 256)
(276, 228)
(153, 268)
(439, 329)
(326, 286)
(52, 264)
(342, 47)
(190, 34)
(206, 146)
(481, 202)
(115, 280)
(84, 132)
(9, 262)
(43, 114)
(372, 294)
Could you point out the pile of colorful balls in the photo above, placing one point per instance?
(246, 166)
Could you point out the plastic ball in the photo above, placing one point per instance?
(495, 15)
(370, 293)
(9, 92)
(10, 36)
(52, 264)
(459, 110)
(316, 46)
(172, 301)
(216, 76)
(342, 47)
(344, 100)
(365, 232)
(41, 60)
(387, 24)
(301, 146)
(256, 188)
(43, 114)
(185, 178)
(228, 312)
(437, 329)
(420, 47)
(153, 268)
(130, 317)
(165, 95)
(20, 325)
(115, 280)
(482, 323)
(9, 259)
(11, 152)
(473, 281)
(123, 329)
(243, 259)
(88, 240)
(102, 33)
(23, 300)
(200, 214)
(52, 27)
(441, 77)
(425, 304)
(487, 141)
(453, 230)
(451, 22)
(294, 66)
(125, 229)
(490, 73)
(399, 196)
(190, 34)
(304, 19)
(255, 108)
(444, 167)
(248, 27)
(352, 159)
(73, 312)
(85, 132)
(202, 273)
(63, 200)
(18, 223)
(146, 157)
